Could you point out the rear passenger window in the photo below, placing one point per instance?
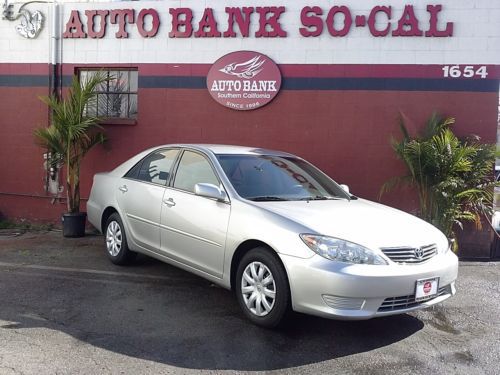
(132, 173)
(156, 167)
(194, 169)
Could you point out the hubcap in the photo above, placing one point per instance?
(258, 288)
(114, 238)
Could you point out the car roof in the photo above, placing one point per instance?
(218, 149)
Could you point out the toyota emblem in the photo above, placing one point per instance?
(419, 253)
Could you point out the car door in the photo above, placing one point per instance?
(193, 228)
(140, 197)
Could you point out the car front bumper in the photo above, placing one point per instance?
(355, 292)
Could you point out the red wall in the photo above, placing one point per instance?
(345, 133)
(21, 163)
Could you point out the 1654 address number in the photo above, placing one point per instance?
(469, 71)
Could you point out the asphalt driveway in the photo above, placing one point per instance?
(65, 309)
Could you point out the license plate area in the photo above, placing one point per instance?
(426, 289)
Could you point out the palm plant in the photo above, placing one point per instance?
(72, 132)
(453, 177)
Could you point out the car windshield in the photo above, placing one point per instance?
(278, 178)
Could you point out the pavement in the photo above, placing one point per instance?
(65, 309)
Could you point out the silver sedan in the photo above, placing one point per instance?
(273, 228)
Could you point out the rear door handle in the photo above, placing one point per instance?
(123, 188)
(169, 202)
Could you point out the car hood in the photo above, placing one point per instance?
(367, 223)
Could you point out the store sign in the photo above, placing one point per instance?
(260, 22)
(244, 80)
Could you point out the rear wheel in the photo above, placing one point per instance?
(262, 288)
(116, 241)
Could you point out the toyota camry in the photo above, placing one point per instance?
(274, 229)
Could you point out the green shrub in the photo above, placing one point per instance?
(453, 178)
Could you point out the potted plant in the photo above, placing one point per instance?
(73, 131)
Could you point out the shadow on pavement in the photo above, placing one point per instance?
(180, 320)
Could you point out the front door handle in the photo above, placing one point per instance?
(169, 202)
(123, 188)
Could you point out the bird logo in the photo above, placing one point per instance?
(31, 24)
(247, 69)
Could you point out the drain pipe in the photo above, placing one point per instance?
(54, 49)
(52, 175)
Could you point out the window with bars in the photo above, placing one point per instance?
(117, 97)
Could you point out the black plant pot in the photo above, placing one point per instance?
(74, 224)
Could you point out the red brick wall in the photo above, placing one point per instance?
(345, 133)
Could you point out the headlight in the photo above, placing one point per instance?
(342, 251)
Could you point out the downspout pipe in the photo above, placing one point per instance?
(54, 50)
(53, 73)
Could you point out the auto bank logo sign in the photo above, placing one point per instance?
(244, 80)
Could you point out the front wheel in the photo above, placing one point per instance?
(116, 241)
(262, 288)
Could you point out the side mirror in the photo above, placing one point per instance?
(345, 187)
(210, 191)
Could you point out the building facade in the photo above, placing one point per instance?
(348, 71)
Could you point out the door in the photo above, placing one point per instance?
(140, 195)
(193, 228)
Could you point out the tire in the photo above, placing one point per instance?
(116, 241)
(256, 299)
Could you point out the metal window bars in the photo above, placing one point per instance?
(115, 98)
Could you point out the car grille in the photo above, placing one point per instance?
(409, 254)
(406, 302)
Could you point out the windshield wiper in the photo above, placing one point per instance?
(319, 198)
(267, 198)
